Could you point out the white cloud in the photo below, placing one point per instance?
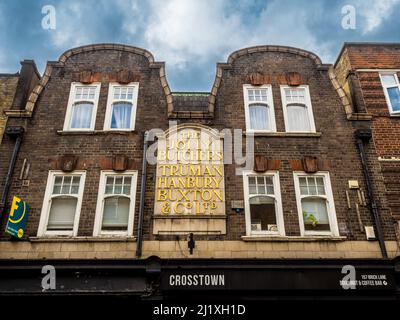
(183, 31)
(70, 31)
(375, 12)
(189, 34)
(284, 23)
(134, 15)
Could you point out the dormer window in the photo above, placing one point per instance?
(82, 107)
(259, 108)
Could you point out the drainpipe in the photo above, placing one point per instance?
(142, 193)
(365, 135)
(14, 132)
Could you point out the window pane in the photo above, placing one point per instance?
(303, 186)
(65, 189)
(116, 213)
(130, 93)
(75, 185)
(252, 185)
(315, 214)
(67, 180)
(85, 92)
(121, 115)
(298, 118)
(263, 214)
(109, 185)
(118, 185)
(66, 185)
(126, 189)
(312, 188)
(76, 179)
(394, 96)
(295, 95)
(127, 185)
(388, 80)
(259, 117)
(57, 185)
(117, 91)
(320, 186)
(123, 93)
(270, 185)
(62, 213)
(258, 95)
(81, 115)
(260, 185)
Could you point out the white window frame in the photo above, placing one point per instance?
(278, 203)
(110, 101)
(307, 104)
(389, 103)
(44, 216)
(333, 223)
(100, 204)
(72, 100)
(269, 103)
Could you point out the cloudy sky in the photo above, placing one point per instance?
(190, 35)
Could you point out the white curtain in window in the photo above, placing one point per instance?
(62, 213)
(298, 118)
(116, 212)
(81, 115)
(121, 115)
(259, 117)
(315, 208)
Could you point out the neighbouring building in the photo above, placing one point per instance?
(8, 84)
(14, 89)
(370, 73)
(268, 185)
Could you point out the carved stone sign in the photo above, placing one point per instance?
(190, 190)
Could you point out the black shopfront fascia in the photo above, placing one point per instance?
(206, 279)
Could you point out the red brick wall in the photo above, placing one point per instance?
(374, 56)
(386, 128)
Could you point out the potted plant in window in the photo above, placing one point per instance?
(309, 218)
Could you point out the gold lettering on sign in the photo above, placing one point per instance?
(190, 174)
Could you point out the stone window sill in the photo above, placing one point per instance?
(291, 239)
(285, 134)
(94, 132)
(113, 238)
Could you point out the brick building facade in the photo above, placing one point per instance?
(364, 68)
(14, 89)
(8, 84)
(304, 196)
